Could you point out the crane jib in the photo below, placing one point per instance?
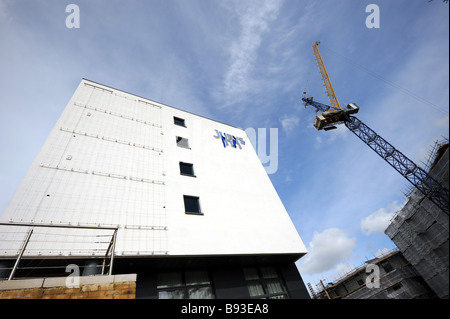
(332, 115)
(426, 184)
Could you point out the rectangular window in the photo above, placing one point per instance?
(184, 285)
(387, 266)
(187, 169)
(182, 142)
(397, 286)
(192, 205)
(179, 121)
(264, 282)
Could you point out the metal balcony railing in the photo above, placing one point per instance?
(94, 240)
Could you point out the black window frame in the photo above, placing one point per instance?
(185, 287)
(184, 164)
(387, 266)
(190, 197)
(179, 121)
(264, 283)
(397, 286)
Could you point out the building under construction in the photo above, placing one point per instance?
(420, 230)
(419, 268)
(397, 280)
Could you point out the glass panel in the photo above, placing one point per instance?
(274, 286)
(201, 293)
(186, 169)
(269, 272)
(171, 279)
(197, 278)
(255, 289)
(182, 142)
(178, 121)
(387, 266)
(191, 204)
(250, 273)
(172, 294)
(279, 297)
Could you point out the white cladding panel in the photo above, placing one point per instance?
(112, 160)
(242, 213)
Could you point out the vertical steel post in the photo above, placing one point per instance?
(107, 253)
(325, 289)
(22, 250)
(112, 253)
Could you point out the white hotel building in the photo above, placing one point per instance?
(124, 184)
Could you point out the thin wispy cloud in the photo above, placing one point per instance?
(289, 122)
(3, 10)
(255, 18)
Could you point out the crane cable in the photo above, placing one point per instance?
(307, 78)
(394, 85)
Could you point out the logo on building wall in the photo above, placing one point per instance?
(231, 140)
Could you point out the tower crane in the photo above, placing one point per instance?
(330, 116)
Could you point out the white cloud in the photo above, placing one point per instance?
(288, 179)
(379, 220)
(255, 18)
(323, 138)
(442, 121)
(326, 250)
(289, 122)
(4, 14)
(340, 132)
(318, 140)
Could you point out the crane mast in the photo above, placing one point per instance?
(334, 115)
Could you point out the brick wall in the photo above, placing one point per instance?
(93, 287)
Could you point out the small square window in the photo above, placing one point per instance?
(191, 205)
(387, 266)
(397, 286)
(187, 169)
(182, 142)
(179, 121)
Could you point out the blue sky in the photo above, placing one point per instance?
(246, 63)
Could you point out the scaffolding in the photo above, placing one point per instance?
(323, 289)
(421, 232)
(397, 280)
(430, 161)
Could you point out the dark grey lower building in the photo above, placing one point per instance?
(226, 277)
(201, 277)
